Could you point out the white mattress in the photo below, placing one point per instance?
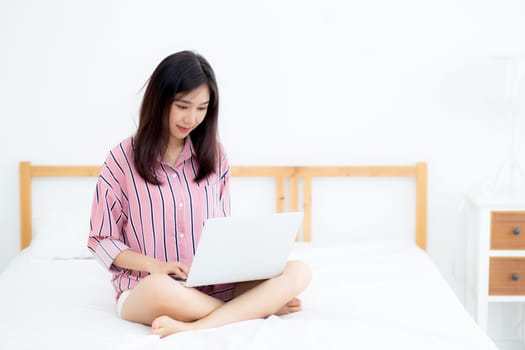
(382, 295)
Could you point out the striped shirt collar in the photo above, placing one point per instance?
(188, 151)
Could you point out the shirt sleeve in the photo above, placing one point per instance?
(224, 178)
(107, 217)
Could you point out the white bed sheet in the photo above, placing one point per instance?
(381, 295)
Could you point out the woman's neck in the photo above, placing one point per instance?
(173, 151)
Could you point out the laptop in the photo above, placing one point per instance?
(235, 249)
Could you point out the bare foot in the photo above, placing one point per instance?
(165, 326)
(292, 306)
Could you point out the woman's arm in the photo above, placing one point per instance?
(131, 260)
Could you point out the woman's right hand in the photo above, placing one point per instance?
(175, 268)
(128, 259)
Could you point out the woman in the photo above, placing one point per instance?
(154, 193)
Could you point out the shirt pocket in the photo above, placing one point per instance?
(212, 197)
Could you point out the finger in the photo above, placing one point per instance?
(177, 276)
(180, 274)
(184, 268)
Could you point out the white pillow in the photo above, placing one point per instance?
(58, 235)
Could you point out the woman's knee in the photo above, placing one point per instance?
(154, 296)
(161, 289)
(146, 300)
(299, 273)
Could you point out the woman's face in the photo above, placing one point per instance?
(188, 110)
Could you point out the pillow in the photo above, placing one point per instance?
(59, 235)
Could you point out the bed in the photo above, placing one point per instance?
(380, 294)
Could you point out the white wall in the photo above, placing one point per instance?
(302, 82)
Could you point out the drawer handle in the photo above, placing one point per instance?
(515, 276)
(516, 231)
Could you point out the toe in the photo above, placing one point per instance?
(294, 302)
(160, 323)
(293, 309)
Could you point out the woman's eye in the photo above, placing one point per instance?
(181, 107)
(202, 109)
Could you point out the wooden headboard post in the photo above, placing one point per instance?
(25, 204)
(294, 174)
(421, 205)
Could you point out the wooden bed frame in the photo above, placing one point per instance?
(284, 194)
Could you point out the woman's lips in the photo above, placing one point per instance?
(183, 129)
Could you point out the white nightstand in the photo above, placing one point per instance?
(496, 253)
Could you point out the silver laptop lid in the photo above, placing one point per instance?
(238, 249)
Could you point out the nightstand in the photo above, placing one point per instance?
(496, 253)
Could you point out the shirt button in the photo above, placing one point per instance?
(181, 204)
(181, 235)
(174, 175)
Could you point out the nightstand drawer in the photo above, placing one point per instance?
(508, 230)
(507, 276)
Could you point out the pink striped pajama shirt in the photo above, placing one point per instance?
(161, 221)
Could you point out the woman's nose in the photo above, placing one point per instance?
(190, 117)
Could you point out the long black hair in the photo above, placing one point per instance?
(180, 72)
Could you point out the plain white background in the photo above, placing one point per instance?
(302, 82)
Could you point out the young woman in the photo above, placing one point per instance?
(154, 194)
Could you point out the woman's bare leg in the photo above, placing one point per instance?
(291, 306)
(159, 294)
(263, 300)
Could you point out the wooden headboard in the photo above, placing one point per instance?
(293, 175)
